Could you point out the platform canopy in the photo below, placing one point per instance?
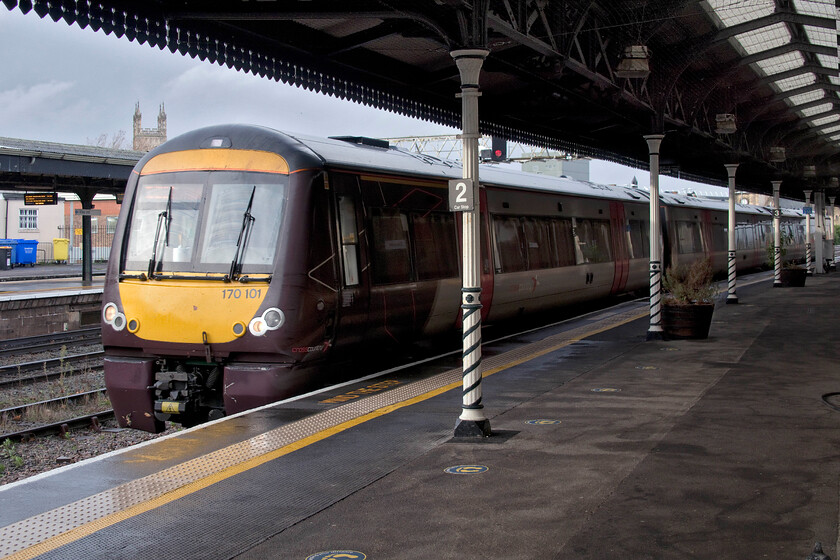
(729, 80)
(33, 166)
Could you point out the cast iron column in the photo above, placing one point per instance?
(829, 233)
(472, 422)
(777, 236)
(819, 232)
(807, 232)
(86, 198)
(731, 297)
(655, 329)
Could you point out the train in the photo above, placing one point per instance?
(244, 258)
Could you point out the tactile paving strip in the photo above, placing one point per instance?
(47, 531)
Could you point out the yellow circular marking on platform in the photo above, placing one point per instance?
(338, 555)
(670, 349)
(466, 469)
(646, 367)
(543, 422)
(605, 390)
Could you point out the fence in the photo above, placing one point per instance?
(100, 241)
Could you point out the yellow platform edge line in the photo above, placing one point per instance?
(94, 526)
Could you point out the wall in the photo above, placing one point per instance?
(35, 316)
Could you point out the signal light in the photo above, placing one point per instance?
(498, 150)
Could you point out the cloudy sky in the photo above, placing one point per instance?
(59, 83)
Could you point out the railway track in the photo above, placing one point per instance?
(20, 413)
(49, 342)
(62, 426)
(49, 368)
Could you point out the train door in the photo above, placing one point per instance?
(354, 294)
(618, 224)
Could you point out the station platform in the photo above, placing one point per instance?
(48, 298)
(604, 446)
(47, 277)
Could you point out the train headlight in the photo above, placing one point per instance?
(257, 326)
(109, 312)
(271, 320)
(112, 316)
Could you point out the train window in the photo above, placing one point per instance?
(509, 241)
(349, 239)
(227, 206)
(593, 238)
(744, 237)
(563, 243)
(152, 201)
(720, 237)
(389, 243)
(639, 239)
(435, 246)
(537, 238)
(688, 237)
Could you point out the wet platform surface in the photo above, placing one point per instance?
(604, 446)
(39, 281)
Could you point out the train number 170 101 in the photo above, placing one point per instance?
(239, 293)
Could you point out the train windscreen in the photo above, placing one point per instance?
(205, 221)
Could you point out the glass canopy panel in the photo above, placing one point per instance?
(782, 63)
(821, 36)
(816, 110)
(764, 39)
(827, 61)
(734, 13)
(819, 8)
(830, 129)
(825, 120)
(796, 82)
(803, 98)
(835, 137)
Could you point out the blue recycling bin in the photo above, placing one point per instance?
(12, 244)
(27, 252)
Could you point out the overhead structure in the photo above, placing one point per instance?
(566, 75)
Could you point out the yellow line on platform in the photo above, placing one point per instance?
(92, 527)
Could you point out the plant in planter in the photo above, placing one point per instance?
(688, 304)
(792, 275)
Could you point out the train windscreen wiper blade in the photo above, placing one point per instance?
(164, 218)
(242, 242)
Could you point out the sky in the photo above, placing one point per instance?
(60, 83)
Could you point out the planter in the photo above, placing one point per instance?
(792, 277)
(687, 321)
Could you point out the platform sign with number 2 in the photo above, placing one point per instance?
(461, 195)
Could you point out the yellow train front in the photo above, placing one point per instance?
(207, 294)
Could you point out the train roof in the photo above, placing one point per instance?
(364, 154)
(346, 152)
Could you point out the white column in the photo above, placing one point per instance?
(777, 236)
(472, 422)
(819, 232)
(808, 231)
(829, 234)
(731, 297)
(655, 329)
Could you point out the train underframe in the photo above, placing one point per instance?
(145, 392)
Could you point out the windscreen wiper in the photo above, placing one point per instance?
(164, 218)
(242, 242)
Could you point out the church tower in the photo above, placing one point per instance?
(147, 138)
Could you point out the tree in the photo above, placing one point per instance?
(116, 141)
